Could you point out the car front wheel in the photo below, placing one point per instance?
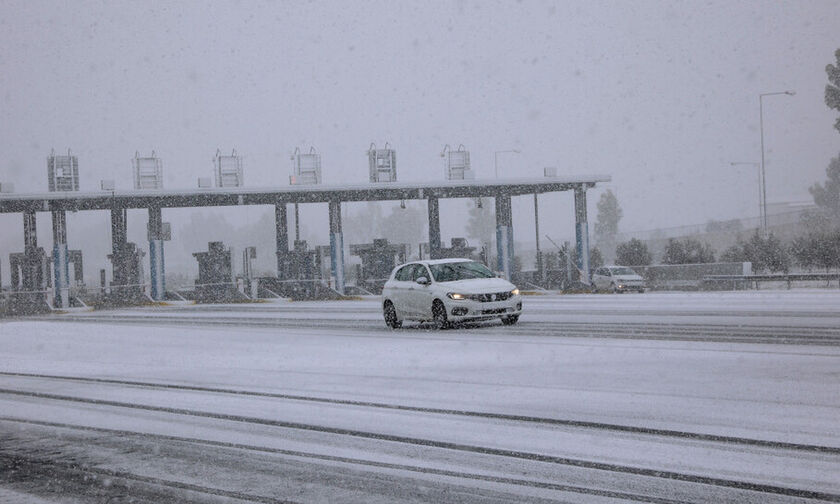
(390, 314)
(439, 315)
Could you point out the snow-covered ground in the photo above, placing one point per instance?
(630, 382)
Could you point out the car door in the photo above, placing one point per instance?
(598, 278)
(401, 290)
(421, 295)
(606, 278)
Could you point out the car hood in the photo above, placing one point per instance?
(626, 278)
(479, 285)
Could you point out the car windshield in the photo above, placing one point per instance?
(622, 271)
(449, 272)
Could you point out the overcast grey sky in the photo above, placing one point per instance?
(660, 95)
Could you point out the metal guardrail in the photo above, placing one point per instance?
(175, 292)
(233, 286)
(16, 292)
(787, 278)
(319, 281)
(357, 287)
(535, 286)
(269, 291)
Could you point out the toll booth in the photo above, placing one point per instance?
(30, 271)
(304, 271)
(378, 261)
(127, 274)
(31, 277)
(305, 264)
(301, 276)
(215, 282)
(459, 248)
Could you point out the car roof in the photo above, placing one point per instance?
(437, 261)
(444, 261)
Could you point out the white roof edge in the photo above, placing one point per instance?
(591, 179)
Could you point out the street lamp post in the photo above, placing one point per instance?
(496, 158)
(763, 175)
(758, 167)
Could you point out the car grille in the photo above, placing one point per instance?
(488, 298)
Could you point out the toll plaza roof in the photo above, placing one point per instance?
(229, 196)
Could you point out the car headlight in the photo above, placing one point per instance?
(514, 292)
(456, 296)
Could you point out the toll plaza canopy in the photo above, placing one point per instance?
(125, 259)
(160, 198)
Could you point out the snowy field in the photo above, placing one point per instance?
(659, 397)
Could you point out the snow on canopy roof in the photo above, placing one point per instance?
(321, 193)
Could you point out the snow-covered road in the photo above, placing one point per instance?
(662, 397)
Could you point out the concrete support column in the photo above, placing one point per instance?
(61, 265)
(297, 221)
(30, 237)
(434, 228)
(582, 234)
(336, 246)
(504, 235)
(156, 264)
(30, 279)
(119, 237)
(119, 229)
(281, 227)
(14, 273)
(539, 265)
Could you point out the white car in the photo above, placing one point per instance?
(446, 291)
(617, 279)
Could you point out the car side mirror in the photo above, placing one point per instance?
(423, 280)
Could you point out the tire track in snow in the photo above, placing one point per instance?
(668, 433)
(349, 460)
(540, 329)
(530, 456)
(56, 470)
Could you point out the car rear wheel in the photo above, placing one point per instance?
(510, 319)
(439, 314)
(390, 314)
